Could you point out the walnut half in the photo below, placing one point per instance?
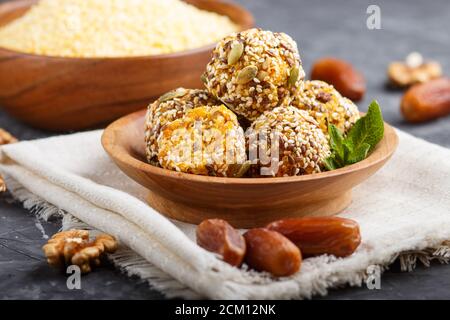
(6, 137)
(73, 247)
(413, 70)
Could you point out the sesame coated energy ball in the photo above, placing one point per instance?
(254, 71)
(169, 107)
(206, 141)
(326, 105)
(290, 141)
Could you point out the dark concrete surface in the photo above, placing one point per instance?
(321, 28)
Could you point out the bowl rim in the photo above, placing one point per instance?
(119, 154)
(172, 55)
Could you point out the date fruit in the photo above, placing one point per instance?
(320, 235)
(345, 79)
(272, 252)
(219, 236)
(427, 101)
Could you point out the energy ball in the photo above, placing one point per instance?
(206, 141)
(169, 107)
(287, 142)
(254, 71)
(326, 105)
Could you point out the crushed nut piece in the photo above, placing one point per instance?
(74, 247)
(413, 70)
(414, 60)
(5, 138)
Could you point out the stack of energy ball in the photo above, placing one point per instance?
(254, 81)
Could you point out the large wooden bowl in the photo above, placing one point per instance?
(62, 94)
(244, 202)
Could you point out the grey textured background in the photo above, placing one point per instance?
(321, 28)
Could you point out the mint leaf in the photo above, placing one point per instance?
(358, 154)
(330, 164)
(348, 150)
(362, 138)
(369, 129)
(336, 141)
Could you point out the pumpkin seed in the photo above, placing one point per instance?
(235, 53)
(262, 75)
(247, 74)
(293, 75)
(154, 162)
(239, 170)
(204, 79)
(172, 94)
(265, 64)
(229, 105)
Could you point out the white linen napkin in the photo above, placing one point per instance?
(403, 210)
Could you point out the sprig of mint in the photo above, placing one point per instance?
(359, 141)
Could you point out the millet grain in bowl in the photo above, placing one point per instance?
(113, 28)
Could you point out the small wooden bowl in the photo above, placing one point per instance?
(62, 94)
(244, 202)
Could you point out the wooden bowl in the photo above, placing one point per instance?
(62, 94)
(244, 202)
